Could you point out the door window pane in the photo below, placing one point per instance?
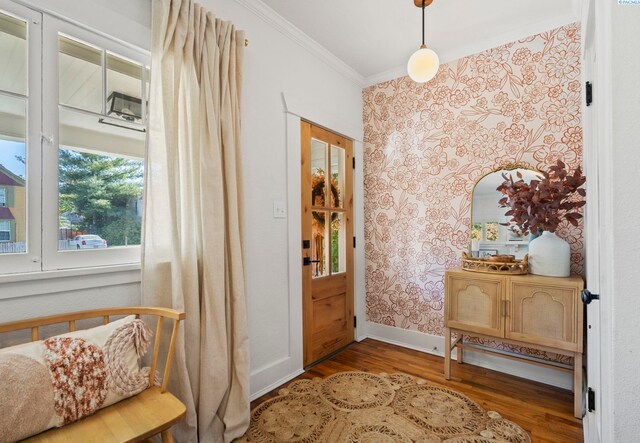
(100, 183)
(338, 243)
(13, 53)
(319, 244)
(13, 183)
(318, 170)
(80, 75)
(337, 176)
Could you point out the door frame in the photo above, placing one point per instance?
(295, 111)
(597, 142)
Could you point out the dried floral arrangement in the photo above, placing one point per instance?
(318, 225)
(542, 204)
(318, 181)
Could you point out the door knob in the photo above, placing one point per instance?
(588, 297)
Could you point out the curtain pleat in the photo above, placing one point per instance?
(192, 248)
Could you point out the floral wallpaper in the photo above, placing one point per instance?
(426, 146)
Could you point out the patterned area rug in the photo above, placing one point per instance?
(361, 407)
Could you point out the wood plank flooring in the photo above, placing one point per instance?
(544, 411)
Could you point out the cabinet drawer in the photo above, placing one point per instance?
(473, 303)
(544, 314)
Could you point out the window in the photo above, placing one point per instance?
(5, 231)
(72, 144)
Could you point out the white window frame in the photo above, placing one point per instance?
(53, 259)
(3, 197)
(42, 135)
(30, 261)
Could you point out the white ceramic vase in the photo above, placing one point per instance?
(549, 255)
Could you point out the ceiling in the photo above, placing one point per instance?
(376, 37)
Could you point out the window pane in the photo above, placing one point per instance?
(13, 53)
(80, 75)
(100, 174)
(124, 89)
(338, 243)
(337, 176)
(13, 185)
(319, 245)
(318, 168)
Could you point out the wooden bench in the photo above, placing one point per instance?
(151, 412)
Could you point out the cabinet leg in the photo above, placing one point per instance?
(447, 353)
(460, 352)
(577, 385)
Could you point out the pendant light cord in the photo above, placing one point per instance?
(423, 6)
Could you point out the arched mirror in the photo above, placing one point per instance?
(488, 236)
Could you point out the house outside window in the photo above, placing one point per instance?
(13, 221)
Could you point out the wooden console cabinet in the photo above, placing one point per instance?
(544, 313)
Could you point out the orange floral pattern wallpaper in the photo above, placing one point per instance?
(425, 147)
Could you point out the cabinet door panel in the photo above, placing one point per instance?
(473, 304)
(544, 315)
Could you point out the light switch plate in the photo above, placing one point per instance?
(279, 209)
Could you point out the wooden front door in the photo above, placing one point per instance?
(327, 242)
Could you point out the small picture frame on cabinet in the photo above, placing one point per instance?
(484, 253)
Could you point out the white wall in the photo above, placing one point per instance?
(127, 20)
(275, 64)
(625, 205)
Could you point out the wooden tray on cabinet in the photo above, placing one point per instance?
(475, 264)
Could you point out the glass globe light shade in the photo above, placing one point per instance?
(423, 65)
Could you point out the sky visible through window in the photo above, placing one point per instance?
(9, 153)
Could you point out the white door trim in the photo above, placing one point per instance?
(600, 237)
(295, 110)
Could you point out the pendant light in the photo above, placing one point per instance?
(424, 63)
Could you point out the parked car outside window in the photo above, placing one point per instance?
(88, 242)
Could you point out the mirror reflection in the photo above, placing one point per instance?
(488, 236)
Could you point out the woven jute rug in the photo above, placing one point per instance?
(363, 407)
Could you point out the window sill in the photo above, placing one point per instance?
(50, 282)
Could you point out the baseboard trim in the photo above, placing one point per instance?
(259, 393)
(432, 344)
(272, 375)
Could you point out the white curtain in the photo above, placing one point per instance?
(192, 252)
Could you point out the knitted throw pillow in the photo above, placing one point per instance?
(53, 382)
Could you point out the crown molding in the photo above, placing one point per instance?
(492, 41)
(288, 29)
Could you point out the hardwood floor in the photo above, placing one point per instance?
(544, 411)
